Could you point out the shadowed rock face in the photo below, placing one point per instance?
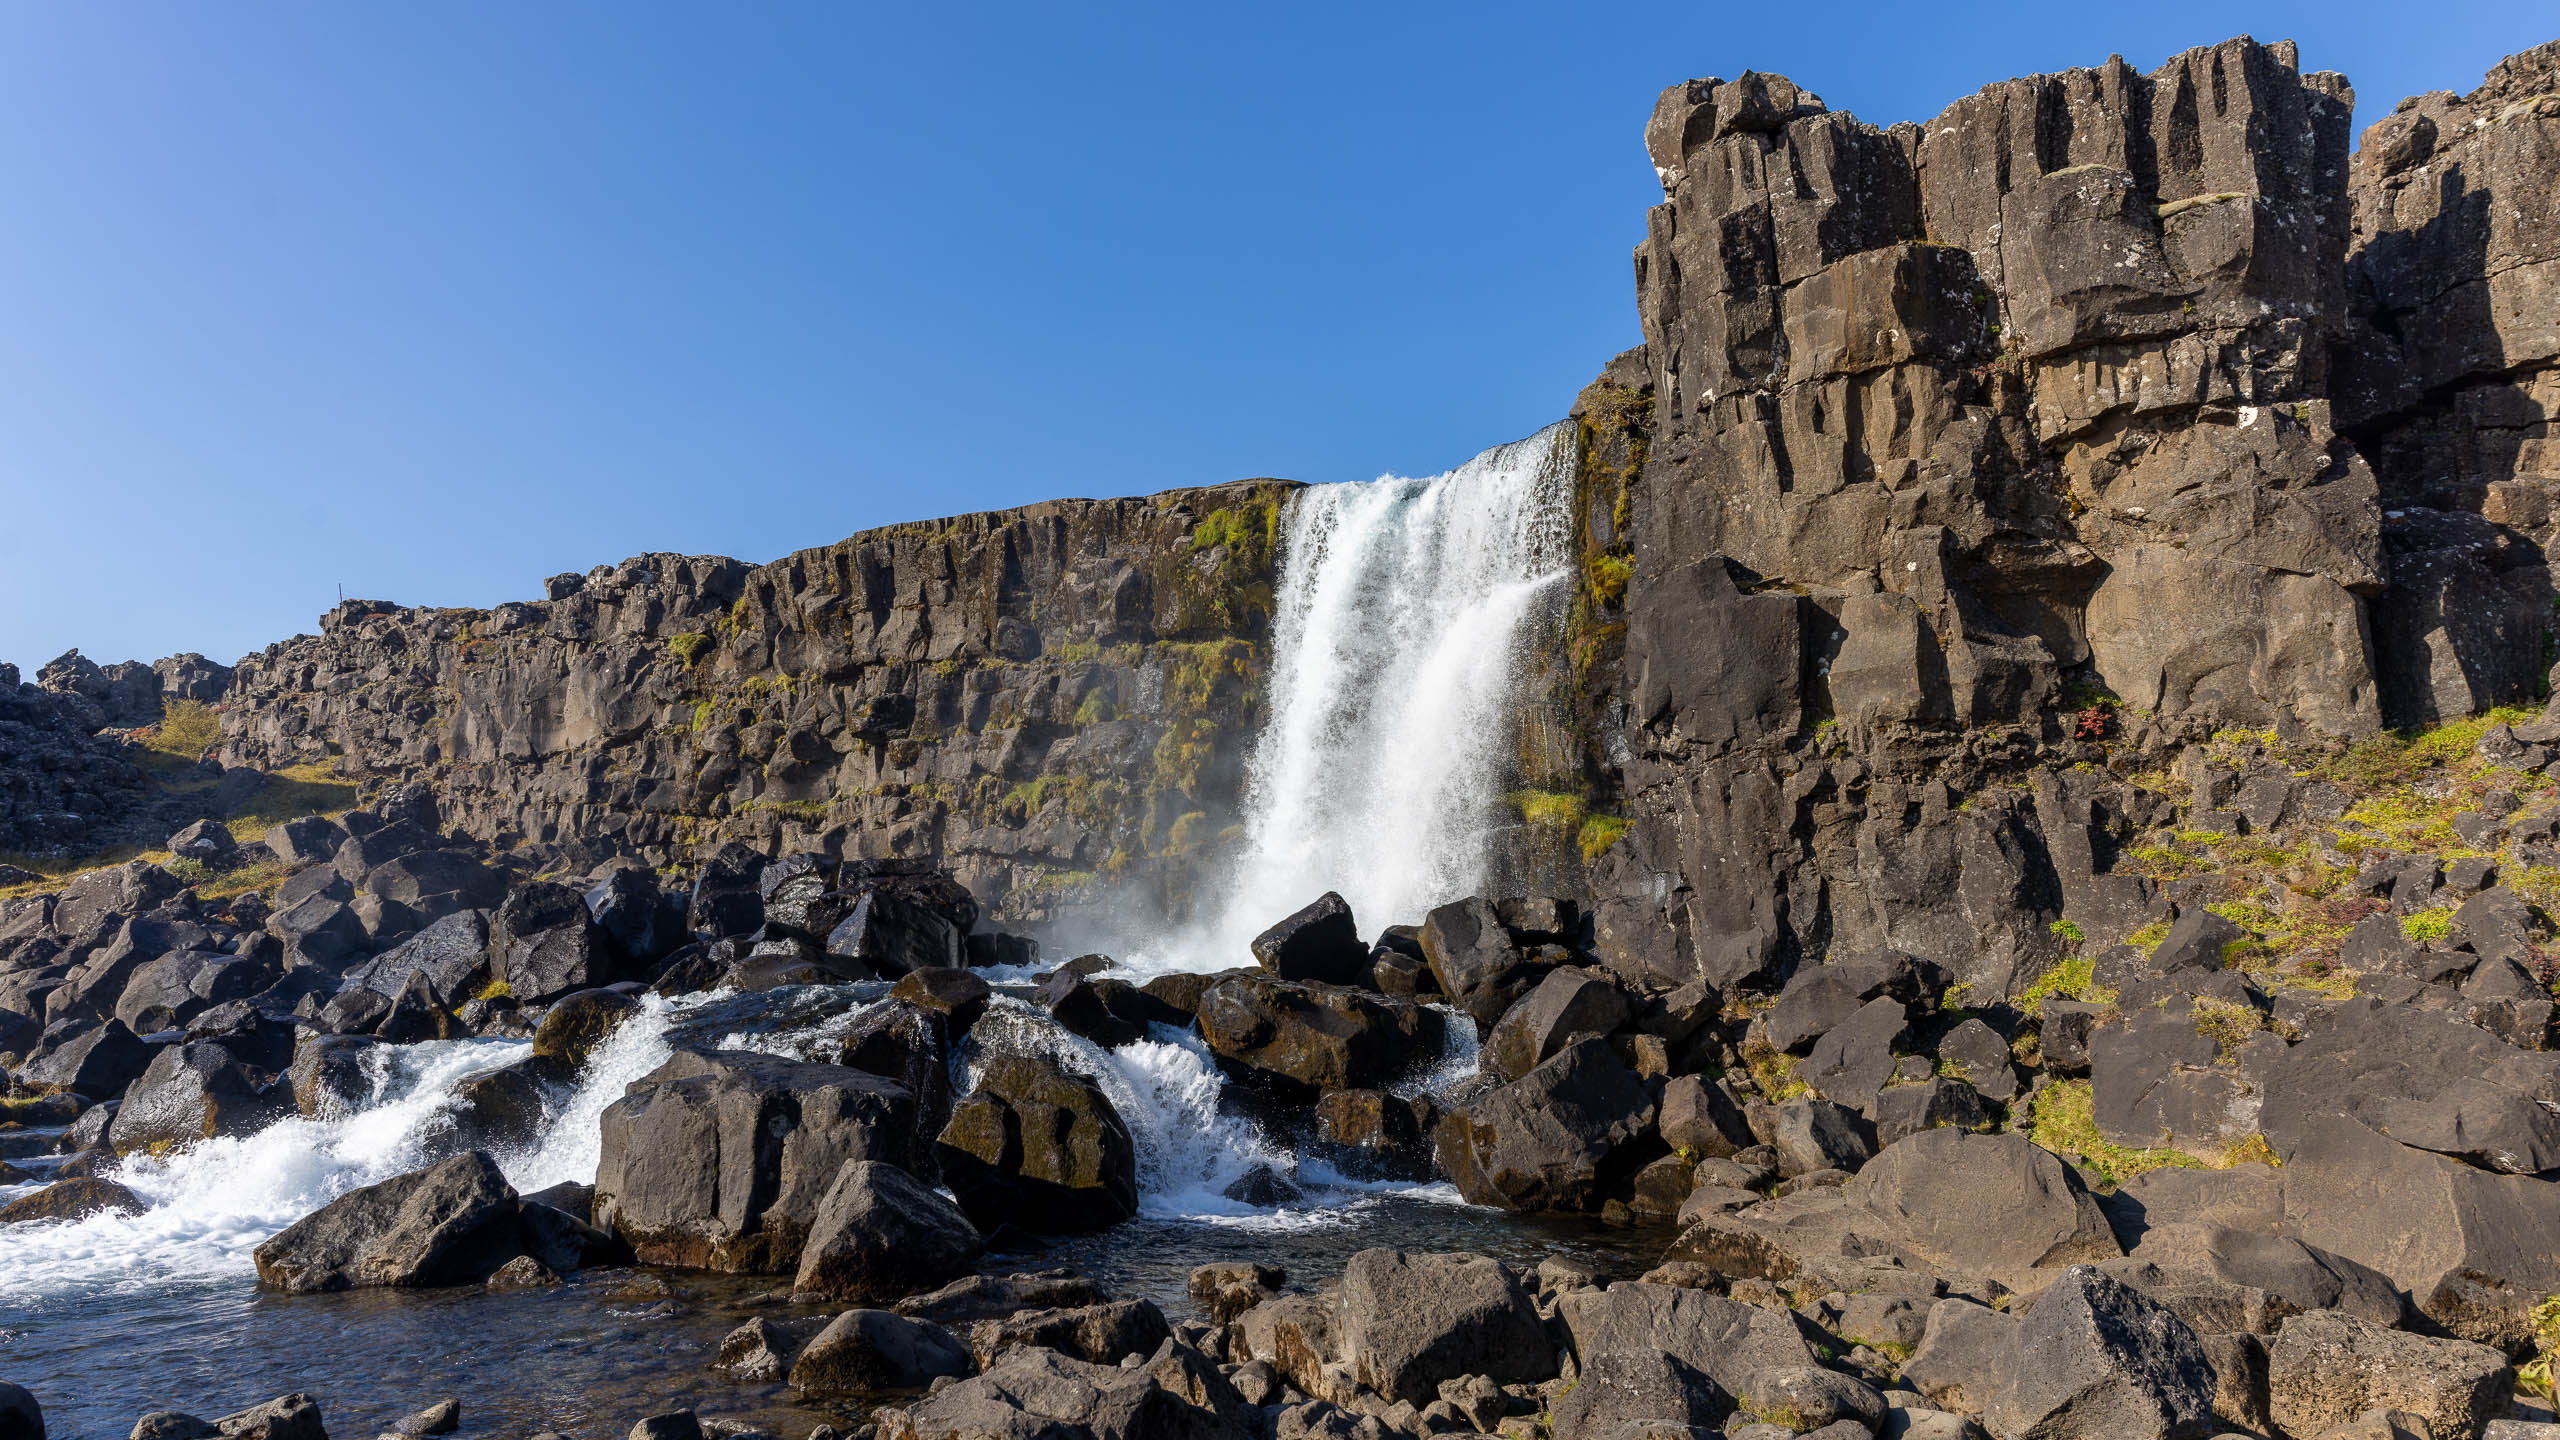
(1034, 696)
(2099, 383)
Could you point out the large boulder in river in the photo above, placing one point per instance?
(75, 1199)
(906, 1042)
(1319, 943)
(1560, 1138)
(453, 1223)
(1299, 1041)
(717, 1159)
(21, 1418)
(1037, 1147)
(882, 1234)
(1410, 1322)
(1569, 1003)
(875, 1352)
(577, 1023)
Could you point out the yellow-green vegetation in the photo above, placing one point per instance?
(1558, 810)
(1078, 652)
(287, 794)
(689, 647)
(2227, 1023)
(2428, 925)
(1773, 1071)
(1097, 707)
(1598, 833)
(2064, 1121)
(1606, 578)
(2072, 978)
(495, 990)
(1250, 532)
(2535, 1374)
(187, 729)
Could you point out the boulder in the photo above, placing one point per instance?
(2304, 1277)
(1037, 1147)
(890, 932)
(958, 996)
(640, 921)
(1632, 1393)
(1569, 1003)
(1298, 1041)
(1813, 1135)
(1855, 1058)
(1722, 1339)
(760, 1350)
(1226, 1289)
(874, 1352)
(726, 900)
(1105, 1334)
(453, 1223)
(577, 1023)
(717, 1160)
(881, 1234)
(1410, 1322)
(196, 1091)
(1031, 1394)
(287, 1417)
(1558, 1138)
(1473, 955)
(1983, 1205)
(451, 955)
(911, 1044)
(2325, 1368)
(96, 1063)
(307, 841)
(543, 944)
(73, 1199)
(1319, 943)
(1808, 1398)
(2095, 1359)
(21, 1418)
(973, 1298)
(1701, 1120)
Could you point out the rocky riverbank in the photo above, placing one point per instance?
(2042, 797)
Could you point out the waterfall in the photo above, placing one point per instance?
(1404, 611)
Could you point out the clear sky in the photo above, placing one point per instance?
(435, 300)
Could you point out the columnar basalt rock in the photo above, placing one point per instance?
(1039, 697)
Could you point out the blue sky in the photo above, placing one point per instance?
(433, 301)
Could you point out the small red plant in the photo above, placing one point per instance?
(2093, 723)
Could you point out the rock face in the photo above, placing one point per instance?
(1020, 694)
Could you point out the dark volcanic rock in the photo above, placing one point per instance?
(881, 1234)
(1298, 1041)
(453, 1223)
(1320, 943)
(717, 1160)
(1037, 1147)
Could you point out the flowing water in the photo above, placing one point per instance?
(1403, 613)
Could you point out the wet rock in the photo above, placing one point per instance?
(1298, 1041)
(990, 1297)
(956, 995)
(717, 1160)
(677, 1425)
(451, 955)
(523, 1273)
(2324, 1369)
(1036, 1147)
(760, 1349)
(1104, 1334)
(873, 1352)
(910, 1044)
(442, 1418)
(891, 932)
(21, 1418)
(577, 1023)
(1320, 944)
(1410, 1322)
(287, 1417)
(503, 1108)
(881, 1234)
(642, 923)
(1371, 1134)
(453, 1223)
(69, 1200)
(1555, 1139)
(1107, 1012)
(1473, 956)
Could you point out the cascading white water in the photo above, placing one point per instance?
(1397, 643)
